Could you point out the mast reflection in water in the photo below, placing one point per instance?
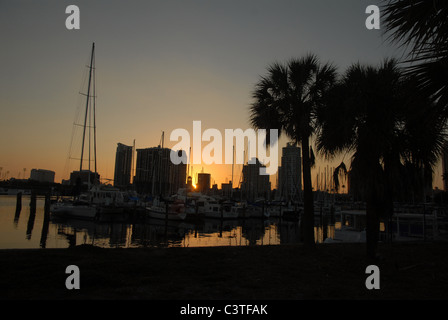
(31, 228)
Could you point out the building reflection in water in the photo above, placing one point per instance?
(121, 231)
(160, 233)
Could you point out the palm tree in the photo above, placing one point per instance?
(377, 115)
(421, 26)
(360, 117)
(287, 99)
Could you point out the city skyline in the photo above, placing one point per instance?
(160, 66)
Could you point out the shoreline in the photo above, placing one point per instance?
(286, 272)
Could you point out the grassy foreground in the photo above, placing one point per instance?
(333, 271)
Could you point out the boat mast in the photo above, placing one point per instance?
(160, 164)
(87, 107)
(94, 115)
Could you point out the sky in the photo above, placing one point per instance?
(160, 65)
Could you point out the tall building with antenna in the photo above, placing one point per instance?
(124, 159)
(290, 173)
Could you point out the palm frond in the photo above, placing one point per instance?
(431, 77)
(417, 24)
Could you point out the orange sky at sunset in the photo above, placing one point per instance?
(160, 65)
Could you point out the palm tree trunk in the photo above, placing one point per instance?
(308, 201)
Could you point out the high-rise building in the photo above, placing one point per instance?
(123, 165)
(226, 189)
(178, 176)
(156, 174)
(255, 186)
(290, 173)
(203, 184)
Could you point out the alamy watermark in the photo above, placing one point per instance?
(234, 147)
(72, 22)
(373, 20)
(73, 280)
(373, 280)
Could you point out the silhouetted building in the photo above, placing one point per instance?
(214, 190)
(255, 185)
(203, 184)
(123, 165)
(178, 176)
(42, 175)
(85, 177)
(226, 189)
(290, 173)
(156, 174)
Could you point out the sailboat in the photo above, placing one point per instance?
(87, 205)
(169, 211)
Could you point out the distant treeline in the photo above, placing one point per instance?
(40, 188)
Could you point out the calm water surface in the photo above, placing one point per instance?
(27, 230)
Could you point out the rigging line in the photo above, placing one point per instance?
(81, 125)
(85, 160)
(76, 117)
(69, 152)
(85, 95)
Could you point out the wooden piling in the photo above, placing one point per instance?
(33, 202)
(18, 208)
(19, 202)
(47, 204)
(44, 233)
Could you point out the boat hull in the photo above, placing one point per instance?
(111, 210)
(74, 211)
(158, 214)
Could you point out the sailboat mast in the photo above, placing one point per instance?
(161, 163)
(87, 106)
(132, 164)
(94, 115)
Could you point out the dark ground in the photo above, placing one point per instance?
(333, 271)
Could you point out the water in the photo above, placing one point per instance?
(28, 230)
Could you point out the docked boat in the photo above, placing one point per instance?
(74, 209)
(106, 198)
(160, 213)
(167, 211)
(210, 208)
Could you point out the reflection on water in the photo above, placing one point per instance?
(158, 233)
(31, 227)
